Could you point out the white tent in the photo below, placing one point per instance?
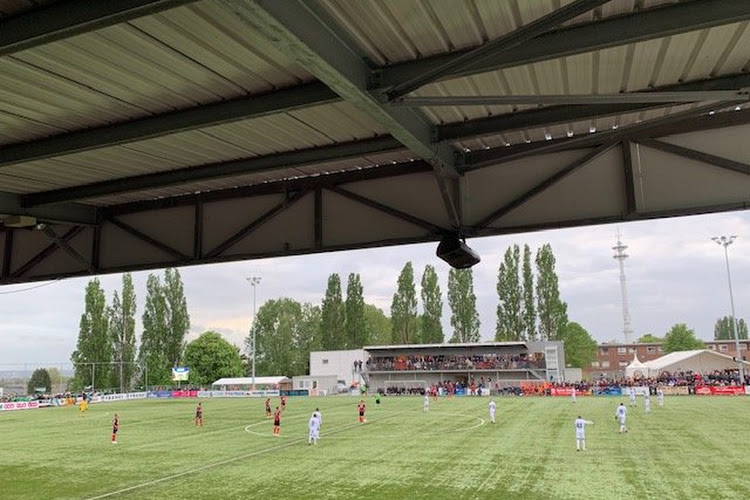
(636, 369)
(697, 361)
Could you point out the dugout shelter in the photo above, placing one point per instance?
(141, 134)
(280, 383)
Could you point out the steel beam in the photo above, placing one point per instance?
(275, 187)
(692, 154)
(398, 214)
(215, 171)
(651, 128)
(148, 239)
(318, 218)
(567, 114)
(631, 207)
(7, 254)
(654, 23)
(255, 224)
(44, 253)
(73, 17)
(66, 213)
(303, 31)
(570, 99)
(65, 246)
(543, 186)
(198, 230)
(497, 46)
(233, 110)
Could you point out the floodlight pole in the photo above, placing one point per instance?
(725, 241)
(254, 281)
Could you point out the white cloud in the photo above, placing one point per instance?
(675, 274)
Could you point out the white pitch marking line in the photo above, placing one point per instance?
(216, 464)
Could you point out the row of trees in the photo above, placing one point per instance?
(682, 338)
(530, 309)
(106, 354)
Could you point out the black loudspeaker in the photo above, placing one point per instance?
(456, 253)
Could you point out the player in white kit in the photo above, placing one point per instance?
(313, 427)
(573, 395)
(660, 396)
(426, 405)
(647, 400)
(631, 393)
(581, 433)
(493, 407)
(319, 416)
(621, 414)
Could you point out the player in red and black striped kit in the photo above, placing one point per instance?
(199, 415)
(115, 428)
(361, 410)
(277, 422)
(268, 408)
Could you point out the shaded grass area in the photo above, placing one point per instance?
(692, 448)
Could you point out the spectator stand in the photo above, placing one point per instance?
(481, 368)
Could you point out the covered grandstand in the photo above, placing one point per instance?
(489, 366)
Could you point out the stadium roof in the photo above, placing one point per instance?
(249, 380)
(444, 346)
(700, 360)
(143, 134)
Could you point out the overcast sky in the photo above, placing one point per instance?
(675, 274)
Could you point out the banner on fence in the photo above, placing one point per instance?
(677, 390)
(184, 394)
(730, 390)
(19, 405)
(567, 391)
(160, 394)
(607, 391)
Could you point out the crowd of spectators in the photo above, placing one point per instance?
(672, 379)
(452, 362)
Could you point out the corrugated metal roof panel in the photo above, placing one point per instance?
(180, 58)
(578, 128)
(312, 127)
(667, 61)
(391, 31)
(360, 163)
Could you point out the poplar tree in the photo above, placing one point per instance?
(510, 325)
(122, 332)
(152, 355)
(356, 329)
(94, 344)
(332, 316)
(553, 312)
(404, 309)
(529, 307)
(463, 304)
(177, 317)
(378, 325)
(432, 308)
(724, 329)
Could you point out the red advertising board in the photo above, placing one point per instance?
(184, 394)
(731, 390)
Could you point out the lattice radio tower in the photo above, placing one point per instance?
(620, 256)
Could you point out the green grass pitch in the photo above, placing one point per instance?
(693, 448)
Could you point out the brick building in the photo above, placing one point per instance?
(611, 359)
